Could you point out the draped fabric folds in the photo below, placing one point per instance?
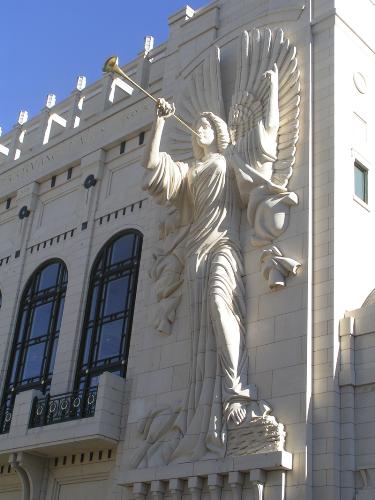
(208, 197)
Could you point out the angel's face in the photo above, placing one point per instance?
(205, 132)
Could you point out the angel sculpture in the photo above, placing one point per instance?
(241, 165)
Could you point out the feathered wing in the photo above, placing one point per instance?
(259, 50)
(201, 91)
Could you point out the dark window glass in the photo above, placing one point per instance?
(36, 336)
(116, 294)
(48, 276)
(33, 361)
(110, 339)
(41, 319)
(360, 182)
(122, 249)
(109, 310)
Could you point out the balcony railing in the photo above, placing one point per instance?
(49, 409)
(5, 419)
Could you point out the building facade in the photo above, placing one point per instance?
(101, 355)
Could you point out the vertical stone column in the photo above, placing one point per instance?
(347, 385)
(26, 201)
(21, 414)
(215, 484)
(30, 469)
(107, 81)
(157, 490)
(13, 277)
(195, 485)
(176, 487)
(92, 167)
(17, 137)
(143, 69)
(139, 491)
(235, 481)
(45, 119)
(78, 273)
(275, 488)
(77, 103)
(258, 480)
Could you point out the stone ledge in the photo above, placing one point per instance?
(278, 460)
(98, 431)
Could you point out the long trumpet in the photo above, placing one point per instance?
(111, 66)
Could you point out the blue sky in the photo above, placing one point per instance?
(45, 45)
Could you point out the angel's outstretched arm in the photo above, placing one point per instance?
(272, 120)
(152, 153)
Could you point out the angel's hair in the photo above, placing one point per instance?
(222, 135)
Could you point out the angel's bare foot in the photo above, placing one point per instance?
(238, 413)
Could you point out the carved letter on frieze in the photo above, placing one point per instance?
(240, 161)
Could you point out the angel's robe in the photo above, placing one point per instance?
(208, 197)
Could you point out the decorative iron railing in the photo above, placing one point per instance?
(5, 419)
(49, 409)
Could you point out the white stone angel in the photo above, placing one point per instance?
(209, 193)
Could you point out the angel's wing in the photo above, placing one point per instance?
(259, 51)
(201, 91)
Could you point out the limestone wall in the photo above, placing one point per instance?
(297, 360)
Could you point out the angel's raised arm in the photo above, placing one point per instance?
(152, 153)
(164, 178)
(272, 118)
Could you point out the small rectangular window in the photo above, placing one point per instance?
(122, 147)
(8, 202)
(69, 174)
(53, 181)
(141, 138)
(361, 181)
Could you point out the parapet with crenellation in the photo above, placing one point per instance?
(85, 106)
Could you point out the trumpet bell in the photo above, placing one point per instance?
(111, 64)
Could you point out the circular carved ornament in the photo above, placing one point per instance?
(24, 212)
(90, 181)
(360, 82)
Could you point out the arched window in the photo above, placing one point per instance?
(109, 310)
(37, 333)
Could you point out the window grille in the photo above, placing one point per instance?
(37, 332)
(109, 310)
